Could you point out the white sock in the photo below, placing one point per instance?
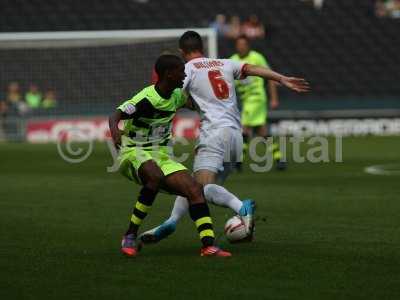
(219, 195)
(181, 207)
(214, 194)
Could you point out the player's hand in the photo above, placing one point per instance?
(116, 136)
(274, 103)
(299, 85)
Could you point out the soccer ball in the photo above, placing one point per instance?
(235, 230)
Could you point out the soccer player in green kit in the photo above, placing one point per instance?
(253, 96)
(144, 155)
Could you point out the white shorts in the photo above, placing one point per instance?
(218, 149)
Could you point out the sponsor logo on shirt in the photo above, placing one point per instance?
(129, 109)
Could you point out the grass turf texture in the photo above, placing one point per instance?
(331, 232)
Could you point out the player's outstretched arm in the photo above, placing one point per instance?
(113, 122)
(114, 130)
(299, 85)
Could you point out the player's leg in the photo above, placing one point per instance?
(262, 131)
(209, 160)
(216, 150)
(181, 207)
(220, 196)
(247, 128)
(213, 193)
(246, 120)
(151, 177)
(168, 227)
(216, 194)
(184, 185)
(247, 133)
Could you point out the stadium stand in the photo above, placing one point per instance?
(356, 72)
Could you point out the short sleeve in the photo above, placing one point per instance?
(181, 97)
(128, 107)
(237, 68)
(131, 106)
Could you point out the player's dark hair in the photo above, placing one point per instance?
(191, 41)
(243, 37)
(165, 63)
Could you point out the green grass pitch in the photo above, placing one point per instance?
(324, 231)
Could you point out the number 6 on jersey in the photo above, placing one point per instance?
(219, 85)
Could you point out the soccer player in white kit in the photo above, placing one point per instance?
(211, 84)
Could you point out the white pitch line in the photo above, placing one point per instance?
(387, 170)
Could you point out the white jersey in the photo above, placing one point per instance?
(211, 83)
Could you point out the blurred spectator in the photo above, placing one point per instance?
(14, 100)
(3, 107)
(219, 25)
(316, 3)
(234, 28)
(13, 93)
(387, 8)
(49, 100)
(33, 97)
(3, 115)
(253, 28)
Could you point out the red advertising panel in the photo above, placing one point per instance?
(43, 131)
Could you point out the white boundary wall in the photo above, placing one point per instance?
(80, 38)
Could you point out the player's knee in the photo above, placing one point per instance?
(195, 193)
(153, 183)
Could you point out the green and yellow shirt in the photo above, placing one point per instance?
(150, 125)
